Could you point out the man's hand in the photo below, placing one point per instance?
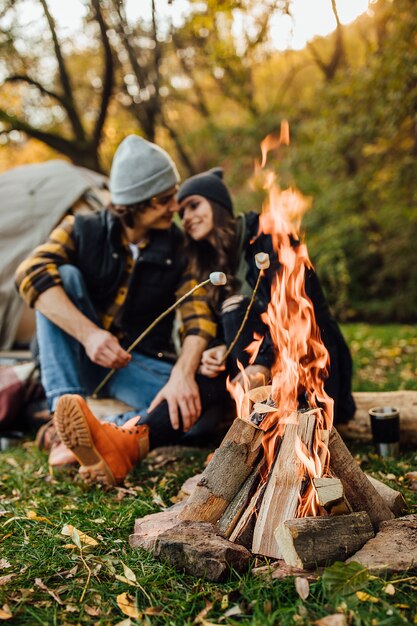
(104, 349)
(181, 393)
(211, 361)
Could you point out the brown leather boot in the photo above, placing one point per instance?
(106, 452)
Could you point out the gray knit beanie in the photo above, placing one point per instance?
(140, 170)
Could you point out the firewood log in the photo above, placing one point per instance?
(360, 493)
(281, 498)
(230, 466)
(231, 516)
(310, 541)
(393, 498)
(331, 495)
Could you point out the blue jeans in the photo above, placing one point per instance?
(66, 368)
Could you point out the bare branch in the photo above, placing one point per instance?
(108, 76)
(73, 116)
(34, 83)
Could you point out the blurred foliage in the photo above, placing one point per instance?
(209, 96)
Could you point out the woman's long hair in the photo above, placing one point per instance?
(204, 257)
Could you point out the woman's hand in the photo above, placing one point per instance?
(212, 361)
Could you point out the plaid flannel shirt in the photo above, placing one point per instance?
(40, 271)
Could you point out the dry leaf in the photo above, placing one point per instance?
(389, 589)
(127, 605)
(302, 587)
(4, 564)
(71, 608)
(366, 597)
(71, 531)
(39, 518)
(125, 580)
(125, 622)
(153, 610)
(90, 610)
(234, 610)
(5, 612)
(128, 573)
(337, 619)
(200, 617)
(5, 579)
(42, 586)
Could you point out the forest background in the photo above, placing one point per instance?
(210, 97)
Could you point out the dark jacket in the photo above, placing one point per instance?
(101, 258)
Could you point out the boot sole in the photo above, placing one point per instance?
(73, 428)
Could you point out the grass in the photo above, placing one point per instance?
(43, 580)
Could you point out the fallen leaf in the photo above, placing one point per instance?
(127, 606)
(90, 610)
(125, 622)
(68, 531)
(200, 617)
(5, 579)
(128, 573)
(71, 608)
(39, 583)
(39, 518)
(389, 589)
(5, 612)
(4, 564)
(234, 610)
(366, 597)
(153, 610)
(337, 619)
(302, 587)
(11, 461)
(125, 580)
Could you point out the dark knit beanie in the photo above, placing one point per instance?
(210, 185)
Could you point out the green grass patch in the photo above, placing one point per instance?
(384, 357)
(43, 580)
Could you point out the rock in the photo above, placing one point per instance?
(198, 549)
(148, 528)
(393, 549)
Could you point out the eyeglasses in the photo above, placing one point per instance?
(164, 199)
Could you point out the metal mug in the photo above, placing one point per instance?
(385, 425)
(10, 439)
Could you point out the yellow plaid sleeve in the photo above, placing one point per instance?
(196, 314)
(39, 271)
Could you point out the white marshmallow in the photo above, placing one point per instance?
(262, 260)
(218, 278)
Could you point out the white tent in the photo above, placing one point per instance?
(33, 199)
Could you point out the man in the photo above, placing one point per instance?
(96, 284)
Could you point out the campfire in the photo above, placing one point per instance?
(282, 483)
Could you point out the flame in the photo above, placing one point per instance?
(239, 392)
(302, 359)
(253, 348)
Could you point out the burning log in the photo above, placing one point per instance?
(393, 498)
(285, 481)
(230, 466)
(360, 493)
(331, 495)
(310, 541)
(239, 504)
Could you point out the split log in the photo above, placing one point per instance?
(360, 493)
(331, 496)
(310, 541)
(393, 498)
(230, 466)
(239, 504)
(281, 498)
(359, 428)
(394, 549)
(243, 532)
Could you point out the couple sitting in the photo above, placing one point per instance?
(101, 279)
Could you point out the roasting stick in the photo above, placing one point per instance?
(262, 263)
(215, 278)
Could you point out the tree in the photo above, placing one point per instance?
(80, 144)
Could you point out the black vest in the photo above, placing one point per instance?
(100, 257)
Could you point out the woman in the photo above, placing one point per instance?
(217, 239)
